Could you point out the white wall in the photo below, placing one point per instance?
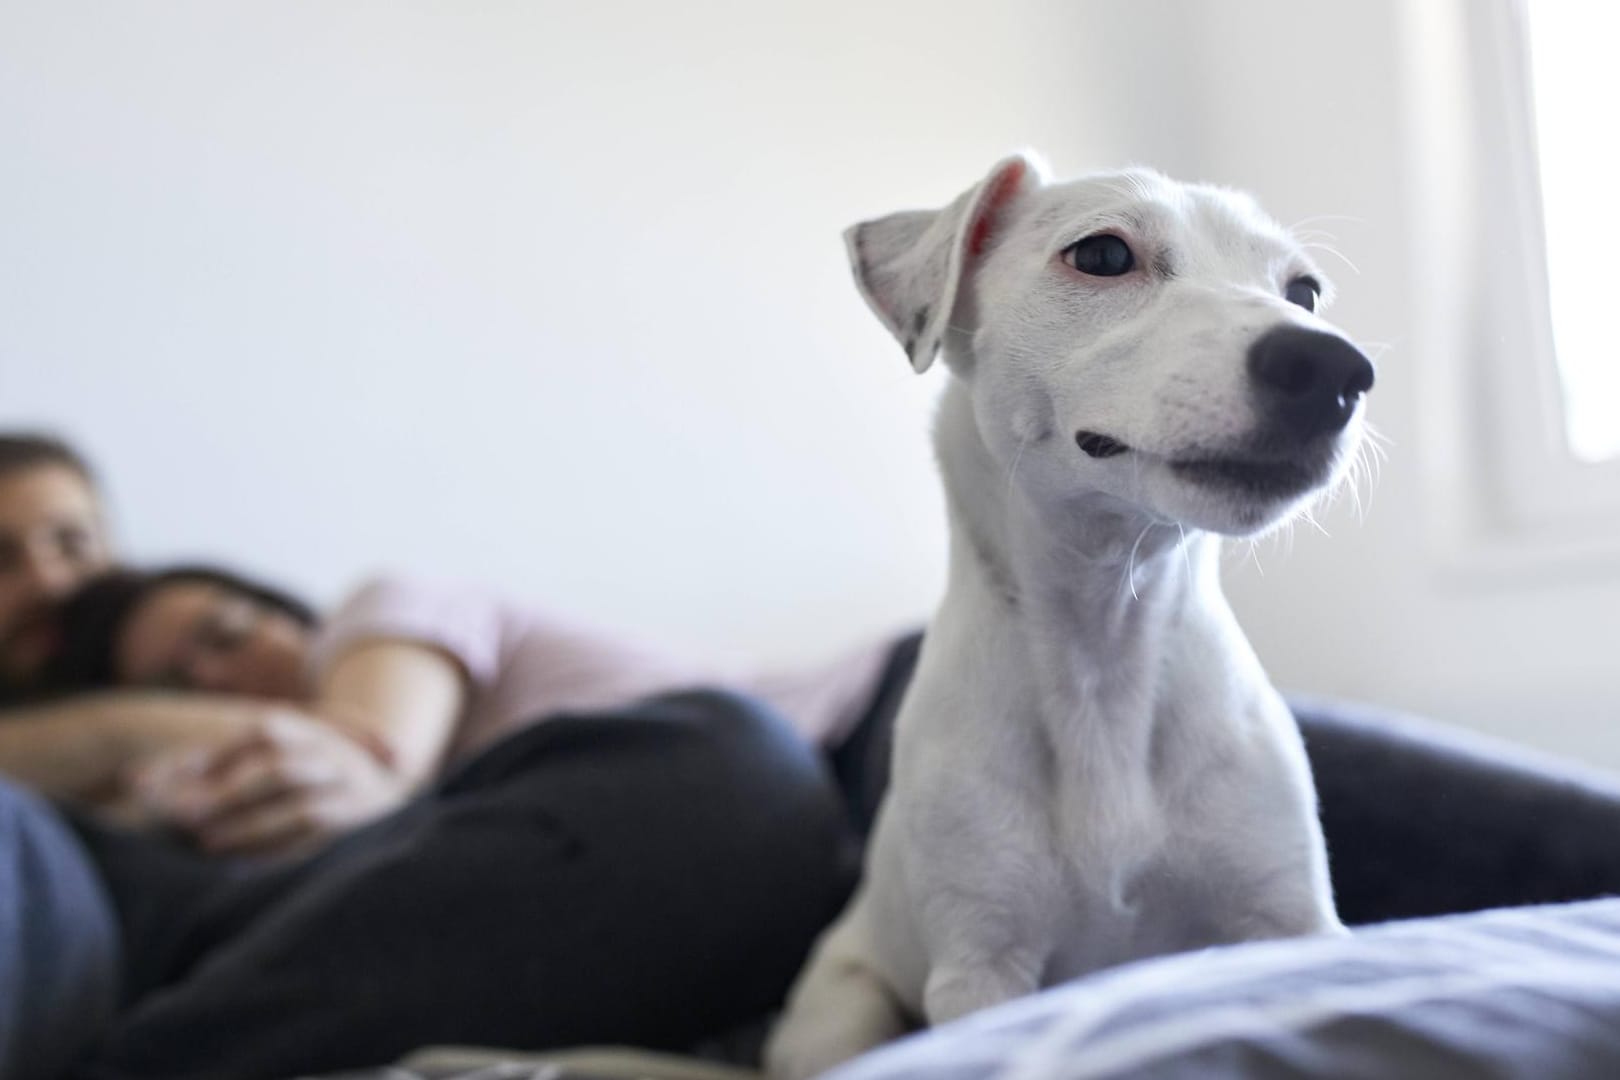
(551, 295)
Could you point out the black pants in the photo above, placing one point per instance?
(649, 877)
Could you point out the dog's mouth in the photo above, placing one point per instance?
(1265, 479)
(1099, 446)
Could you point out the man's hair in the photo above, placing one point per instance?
(21, 450)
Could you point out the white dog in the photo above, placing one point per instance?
(1090, 766)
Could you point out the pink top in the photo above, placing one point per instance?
(523, 666)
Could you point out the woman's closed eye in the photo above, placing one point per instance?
(224, 629)
(219, 633)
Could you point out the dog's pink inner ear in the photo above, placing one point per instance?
(1002, 188)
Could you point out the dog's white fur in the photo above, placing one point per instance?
(1090, 765)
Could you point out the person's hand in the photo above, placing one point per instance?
(287, 784)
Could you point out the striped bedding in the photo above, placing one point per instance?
(1526, 992)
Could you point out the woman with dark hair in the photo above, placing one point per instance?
(95, 614)
(415, 677)
(229, 740)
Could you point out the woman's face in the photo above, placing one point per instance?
(202, 636)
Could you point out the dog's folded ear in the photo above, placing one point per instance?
(910, 265)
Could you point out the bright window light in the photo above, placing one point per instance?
(1577, 94)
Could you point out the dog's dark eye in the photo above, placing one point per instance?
(1103, 255)
(1304, 291)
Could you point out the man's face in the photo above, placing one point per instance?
(51, 540)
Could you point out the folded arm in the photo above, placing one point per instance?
(374, 734)
(242, 774)
(77, 750)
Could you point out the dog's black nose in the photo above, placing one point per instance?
(1307, 381)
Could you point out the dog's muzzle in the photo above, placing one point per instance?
(1307, 384)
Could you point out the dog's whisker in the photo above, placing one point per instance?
(1352, 485)
(1352, 482)
(1329, 249)
(1130, 563)
(1017, 457)
(1367, 467)
(1372, 458)
(1325, 503)
(1313, 218)
(1377, 440)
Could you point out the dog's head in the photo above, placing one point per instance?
(1128, 335)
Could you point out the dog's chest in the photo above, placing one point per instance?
(1109, 825)
(1107, 818)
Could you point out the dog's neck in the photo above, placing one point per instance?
(1100, 579)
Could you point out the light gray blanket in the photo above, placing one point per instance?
(1524, 992)
(1529, 992)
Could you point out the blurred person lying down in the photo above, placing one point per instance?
(245, 720)
(581, 851)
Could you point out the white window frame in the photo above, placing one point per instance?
(1504, 490)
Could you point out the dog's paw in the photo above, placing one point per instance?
(954, 992)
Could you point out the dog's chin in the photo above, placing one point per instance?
(1238, 495)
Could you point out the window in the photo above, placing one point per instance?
(1511, 137)
(1575, 83)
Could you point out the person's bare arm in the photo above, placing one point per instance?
(401, 697)
(78, 749)
(289, 783)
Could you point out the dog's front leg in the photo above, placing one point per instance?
(987, 898)
(1269, 859)
(976, 979)
(1291, 902)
